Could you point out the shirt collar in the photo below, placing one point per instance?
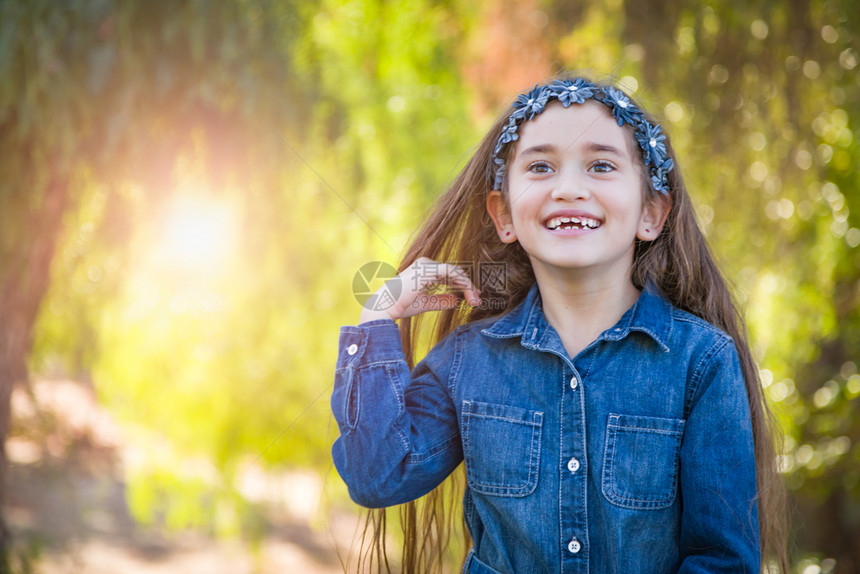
(650, 314)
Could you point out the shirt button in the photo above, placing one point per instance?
(573, 465)
(573, 382)
(574, 546)
(352, 349)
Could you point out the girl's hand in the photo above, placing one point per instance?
(413, 284)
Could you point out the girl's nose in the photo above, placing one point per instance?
(570, 186)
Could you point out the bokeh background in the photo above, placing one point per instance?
(187, 189)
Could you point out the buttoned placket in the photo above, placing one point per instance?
(573, 498)
(573, 476)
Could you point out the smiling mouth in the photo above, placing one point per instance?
(557, 223)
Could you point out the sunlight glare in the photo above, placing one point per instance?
(199, 233)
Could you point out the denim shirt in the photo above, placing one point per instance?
(633, 457)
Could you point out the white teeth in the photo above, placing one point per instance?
(582, 222)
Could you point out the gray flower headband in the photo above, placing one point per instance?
(650, 137)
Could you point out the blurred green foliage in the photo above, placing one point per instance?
(324, 130)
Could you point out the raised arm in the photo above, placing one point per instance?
(399, 432)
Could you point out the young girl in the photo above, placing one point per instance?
(602, 393)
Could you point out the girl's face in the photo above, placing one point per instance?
(575, 196)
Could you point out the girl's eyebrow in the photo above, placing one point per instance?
(538, 149)
(589, 146)
(600, 147)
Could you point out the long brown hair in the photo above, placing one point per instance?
(679, 263)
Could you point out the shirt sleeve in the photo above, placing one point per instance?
(399, 436)
(719, 522)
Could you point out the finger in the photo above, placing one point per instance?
(425, 272)
(458, 278)
(455, 276)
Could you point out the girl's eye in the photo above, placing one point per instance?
(540, 167)
(602, 167)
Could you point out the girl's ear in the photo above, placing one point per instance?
(654, 214)
(498, 210)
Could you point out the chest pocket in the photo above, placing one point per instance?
(501, 447)
(641, 462)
